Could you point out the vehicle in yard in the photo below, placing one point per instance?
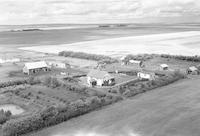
(146, 75)
(35, 67)
(164, 67)
(100, 78)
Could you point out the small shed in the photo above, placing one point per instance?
(35, 67)
(146, 75)
(55, 64)
(132, 62)
(192, 70)
(164, 67)
(100, 78)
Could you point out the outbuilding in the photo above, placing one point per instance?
(192, 70)
(100, 78)
(164, 67)
(35, 67)
(136, 63)
(146, 75)
(55, 64)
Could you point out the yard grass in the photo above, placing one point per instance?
(56, 93)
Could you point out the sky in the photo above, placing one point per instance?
(98, 11)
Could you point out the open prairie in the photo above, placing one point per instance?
(168, 111)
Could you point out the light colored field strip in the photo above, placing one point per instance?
(170, 43)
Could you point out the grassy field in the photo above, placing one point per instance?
(17, 39)
(168, 111)
(154, 64)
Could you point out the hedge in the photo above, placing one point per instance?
(141, 57)
(4, 116)
(133, 88)
(54, 115)
(30, 80)
(87, 56)
(181, 57)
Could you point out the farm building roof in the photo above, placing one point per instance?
(34, 65)
(123, 57)
(193, 68)
(99, 74)
(164, 65)
(135, 61)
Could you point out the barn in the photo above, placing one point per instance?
(136, 63)
(100, 78)
(35, 67)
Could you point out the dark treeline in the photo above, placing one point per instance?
(87, 56)
(144, 57)
(181, 57)
(4, 116)
(30, 80)
(140, 57)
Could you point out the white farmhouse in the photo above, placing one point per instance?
(99, 78)
(192, 70)
(35, 67)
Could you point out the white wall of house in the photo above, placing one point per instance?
(25, 70)
(99, 81)
(88, 81)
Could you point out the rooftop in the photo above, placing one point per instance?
(193, 68)
(99, 74)
(164, 65)
(34, 65)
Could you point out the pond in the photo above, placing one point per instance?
(14, 109)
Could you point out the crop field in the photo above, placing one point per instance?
(179, 43)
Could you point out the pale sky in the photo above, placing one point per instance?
(97, 11)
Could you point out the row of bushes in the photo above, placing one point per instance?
(12, 83)
(54, 115)
(134, 88)
(144, 57)
(30, 80)
(53, 82)
(4, 116)
(140, 57)
(87, 56)
(181, 57)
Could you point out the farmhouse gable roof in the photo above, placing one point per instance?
(99, 74)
